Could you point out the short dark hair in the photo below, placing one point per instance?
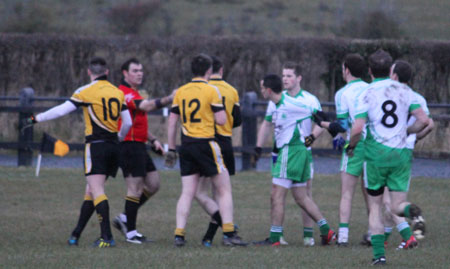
(403, 69)
(216, 64)
(273, 82)
(97, 66)
(294, 66)
(380, 63)
(355, 64)
(127, 63)
(200, 64)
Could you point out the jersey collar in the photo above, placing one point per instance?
(380, 79)
(199, 79)
(300, 93)
(102, 77)
(281, 101)
(355, 80)
(215, 77)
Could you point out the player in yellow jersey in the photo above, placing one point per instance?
(103, 104)
(230, 100)
(199, 107)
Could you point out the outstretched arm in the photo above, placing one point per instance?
(317, 131)
(153, 104)
(56, 112)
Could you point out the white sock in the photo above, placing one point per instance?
(343, 233)
(131, 234)
(123, 217)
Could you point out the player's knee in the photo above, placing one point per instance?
(134, 192)
(200, 197)
(152, 187)
(277, 201)
(301, 200)
(376, 192)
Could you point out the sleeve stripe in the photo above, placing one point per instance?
(342, 116)
(414, 107)
(361, 115)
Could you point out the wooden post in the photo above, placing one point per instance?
(249, 126)
(25, 153)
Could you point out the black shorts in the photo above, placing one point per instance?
(101, 158)
(226, 147)
(135, 160)
(203, 157)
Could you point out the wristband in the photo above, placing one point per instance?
(348, 148)
(33, 119)
(173, 150)
(158, 103)
(153, 141)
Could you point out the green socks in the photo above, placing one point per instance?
(308, 232)
(323, 226)
(378, 245)
(275, 233)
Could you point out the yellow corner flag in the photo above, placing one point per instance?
(53, 145)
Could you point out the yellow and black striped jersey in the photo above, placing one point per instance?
(102, 103)
(196, 102)
(230, 99)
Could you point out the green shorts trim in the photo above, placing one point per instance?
(396, 178)
(353, 165)
(295, 163)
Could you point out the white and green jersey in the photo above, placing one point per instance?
(291, 118)
(346, 101)
(386, 104)
(411, 140)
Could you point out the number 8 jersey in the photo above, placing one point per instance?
(102, 103)
(386, 104)
(196, 102)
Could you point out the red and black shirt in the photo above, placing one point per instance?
(138, 131)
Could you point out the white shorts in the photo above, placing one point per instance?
(287, 183)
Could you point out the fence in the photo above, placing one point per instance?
(251, 109)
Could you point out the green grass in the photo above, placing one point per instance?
(38, 214)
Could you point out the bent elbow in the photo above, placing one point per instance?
(431, 124)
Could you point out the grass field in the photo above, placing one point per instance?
(38, 214)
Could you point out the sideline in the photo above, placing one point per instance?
(322, 165)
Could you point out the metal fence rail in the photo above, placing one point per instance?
(251, 109)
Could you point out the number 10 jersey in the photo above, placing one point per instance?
(102, 103)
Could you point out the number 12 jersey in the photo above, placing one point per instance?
(196, 102)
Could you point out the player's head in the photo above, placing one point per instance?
(97, 67)
(201, 65)
(132, 72)
(291, 75)
(354, 64)
(217, 65)
(271, 83)
(401, 71)
(380, 63)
